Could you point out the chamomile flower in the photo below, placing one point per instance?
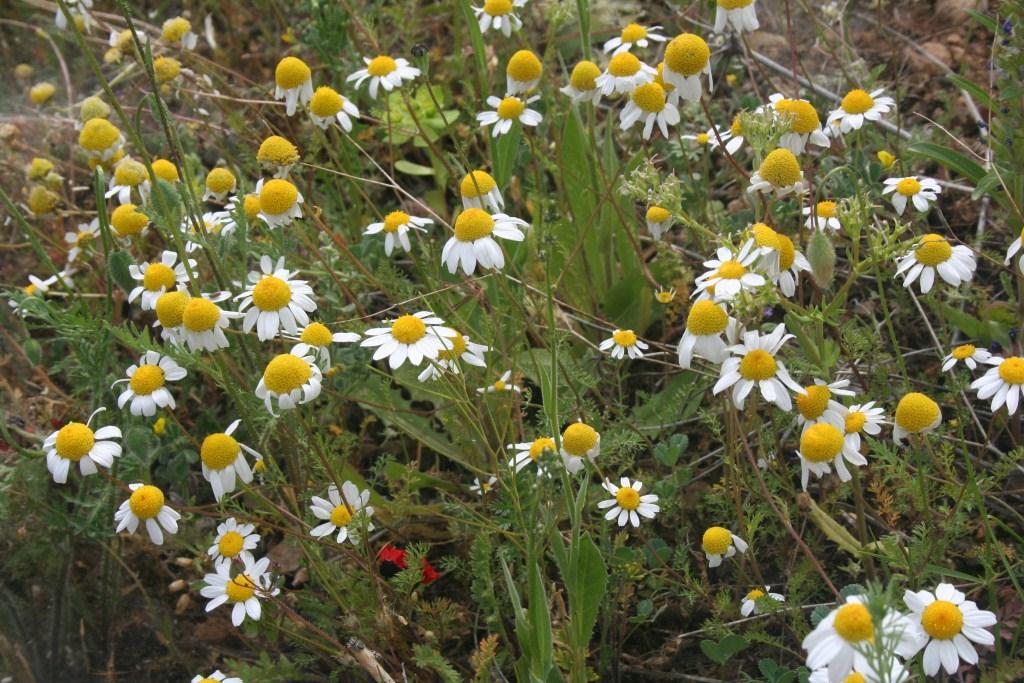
(626, 503)
(413, 337)
(218, 223)
(687, 56)
(950, 624)
(788, 263)
(77, 442)
(146, 506)
(623, 343)
(203, 322)
(215, 677)
(522, 73)
(915, 414)
(146, 384)
(463, 351)
(659, 220)
(1014, 247)
(817, 405)
(179, 30)
(242, 592)
(729, 273)
(508, 110)
(290, 378)
(275, 301)
(969, 354)
(279, 202)
(277, 155)
(804, 124)
(934, 254)
(779, 173)
(129, 175)
(579, 441)
(530, 452)
(859, 106)
(340, 511)
(317, 338)
(501, 385)
(862, 418)
(223, 458)
(79, 14)
(649, 103)
(220, 182)
(920, 191)
(157, 278)
(634, 34)
(384, 71)
(720, 543)
(482, 487)
(893, 672)
(1002, 383)
(755, 363)
(706, 322)
(823, 216)
(751, 600)
(165, 170)
(100, 139)
(479, 190)
(327, 106)
(78, 240)
(822, 444)
(473, 244)
(293, 83)
(499, 15)
(624, 74)
(234, 541)
(583, 82)
(170, 310)
(740, 14)
(127, 221)
(732, 137)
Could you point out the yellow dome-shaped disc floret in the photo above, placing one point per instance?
(541, 446)
(175, 29)
(524, 66)
(964, 351)
(41, 200)
(240, 588)
(857, 102)
(286, 373)
(780, 168)
(757, 365)
(74, 441)
(146, 501)
(657, 214)
(826, 209)
(510, 107)
(170, 308)
(627, 498)
(854, 422)
(408, 329)
(942, 620)
(755, 595)
(147, 379)
(650, 97)
(813, 404)
(271, 293)
(933, 249)
(98, 135)
(624, 64)
(716, 540)
(326, 102)
(381, 65)
(291, 72)
(916, 412)
(23, 71)
(158, 276)
(1011, 370)
(765, 236)
(38, 169)
(166, 69)
(476, 184)
(230, 544)
(787, 252)
(41, 93)
(584, 76)
(687, 54)
(578, 439)
(251, 206)
(734, 4)
(395, 220)
(316, 334)
(731, 270)
(498, 8)
(633, 33)
(165, 170)
(130, 173)
(200, 315)
(458, 348)
(277, 196)
(473, 224)
(853, 623)
(706, 317)
(277, 151)
(220, 180)
(219, 450)
(624, 337)
(127, 220)
(821, 443)
(855, 677)
(804, 118)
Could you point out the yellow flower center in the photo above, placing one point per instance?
(908, 187)
(633, 33)
(326, 102)
(853, 623)
(128, 220)
(340, 516)
(41, 200)
(624, 64)
(787, 252)
(733, 4)
(656, 214)
(963, 352)
(731, 270)
(812, 404)
(780, 168)
(83, 237)
(271, 293)
(458, 348)
(804, 118)
(584, 76)
(130, 172)
(170, 308)
(855, 677)
(736, 127)
(200, 315)
(826, 209)
(98, 135)
(578, 439)
(220, 180)
(717, 540)
(755, 594)
(687, 54)
(650, 97)
(165, 170)
(476, 183)
(628, 498)
(74, 441)
(942, 620)
(524, 67)
(291, 72)
(933, 249)
(408, 329)
(757, 365)
(855, 422)
(821, 442)
(857, 102)
(510, 108)
(500, 385)
(219, 451)
(381, 65)
(624, 338)
(706, 317)
(146, 501)
(1011, 370)
(277, 197)
(286, 373)
(703, 138)
(240, 588)
(174, 29)
(147, 379)
(886, 159)
(230, 544)
(473, 224)
(665, 296)
(166, 69)
(41, 92)
(916, 412)
(764, 236)
(277, 150)
(497, 8)
(316, 334)
(251, 206)
(38, 168)
(158, 276)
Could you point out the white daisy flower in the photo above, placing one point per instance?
(203, 322)
(823, 443)
(499, 15)
(732, 137)
(216, 677)
(317, 338)
(624, 74)
(579, 441)
(817, 405)
(170, 311)
(292, 379)
(862, 418)
(720, 543)
(78, 240)
(410, 337)
(502, 385)
(859, 106)
(779, 173)
(622, 343)
(396, 227)
(1002, 383)
(479, 190)
(779, 259)
(328, 106)
(275, 301)
(705, 324)
(179, 30)
(740, 14)
(340, 514)
(659, 220)
(1015, 246)
(522, 73)
(77, 10)
(634, 34)
(482, 487)
(128, 175)
(892, 671)
(508, 110)
(223, 458)
(158, 278)
(822, 216)
(530, 452)
(293, 83)
(463, 351)
(969, 354)
(950, 624)
(583, 82)
(473, 244)
(729, 274)
(77, 442)
(146, 381)
(279, 202)
(243, 591)
(233, 541)
(649, 103)
(220, 182)
(754, 363)
(920, 191)
(146, 505)
(915, 414)
(219, 223)
(804, 124)
(384, 71)
(627, 504)
(687, 56)
(934, 254)
(750, 600)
